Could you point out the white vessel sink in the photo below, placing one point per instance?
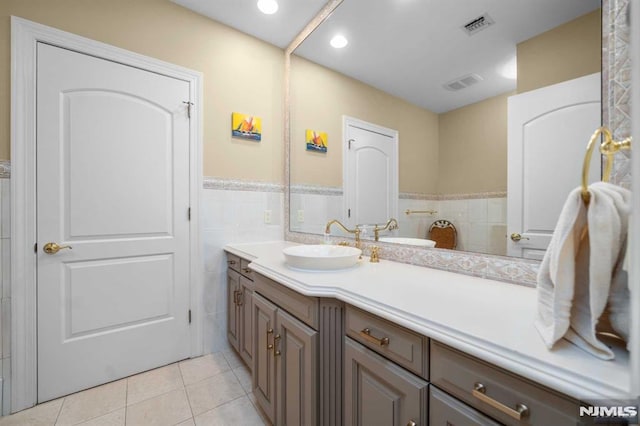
(321, 257)
(421, 242)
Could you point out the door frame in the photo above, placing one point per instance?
(24, 38)
(370, 127)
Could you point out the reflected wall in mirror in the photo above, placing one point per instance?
(452, 144)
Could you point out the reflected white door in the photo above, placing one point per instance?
(113, 184)
(548, 132)
(370, 171)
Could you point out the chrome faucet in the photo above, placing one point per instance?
(356, 231)
(391, 225)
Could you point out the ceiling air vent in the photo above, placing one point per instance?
(478, 24)
(462, 82)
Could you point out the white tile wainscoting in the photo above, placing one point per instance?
(5, 269)
(480, 219)
(232, 211)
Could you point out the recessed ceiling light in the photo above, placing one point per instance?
(509, 69)
(268, 7)
(339, 41)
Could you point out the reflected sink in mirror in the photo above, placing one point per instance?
(321, 257)
(419, 242)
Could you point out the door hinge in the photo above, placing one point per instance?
(189, 316)
(189, 213)
(35, 248)
(189, 106)
(349, 213)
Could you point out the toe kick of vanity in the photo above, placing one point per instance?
(362, 347)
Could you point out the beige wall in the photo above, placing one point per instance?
(473, 147)
(566, 52)
(461, 151)
(320, 97)
(241, 73)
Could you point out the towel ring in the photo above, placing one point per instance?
(609, 147)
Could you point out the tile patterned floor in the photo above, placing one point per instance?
(214, 389)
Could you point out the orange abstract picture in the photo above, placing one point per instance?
(316, 141)
(246, 126)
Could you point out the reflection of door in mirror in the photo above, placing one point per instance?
(547, 126)
(371, 172)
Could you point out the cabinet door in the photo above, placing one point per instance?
(263, 374)
(445, 410)
(297, 371)
(245, 303)
(233, 314)
(378, 392)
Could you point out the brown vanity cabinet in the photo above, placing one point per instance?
(386, 367)
(379, 392)
(444, 410)
(285, 373)
(497, 393)
(240, 288)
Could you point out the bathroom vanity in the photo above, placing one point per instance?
(397, 344)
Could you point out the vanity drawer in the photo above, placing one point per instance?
(402, 346)
(446, 410)
(501, 392)
(304, 308)
(233, 262)
(240, 265)
(245, 270)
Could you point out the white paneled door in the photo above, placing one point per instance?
(113, 195)
(371, 173)
(548, 132)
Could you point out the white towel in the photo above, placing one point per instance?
(582, 261)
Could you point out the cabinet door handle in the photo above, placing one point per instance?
(235, 297)
(412, 423)
(269, 345)
(275, 339)
(240, 301)
(366, 334)
(480, 391)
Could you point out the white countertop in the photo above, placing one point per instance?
(488, 319)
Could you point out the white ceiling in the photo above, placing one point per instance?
(278, 29)
(408, 48)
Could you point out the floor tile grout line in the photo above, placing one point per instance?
(154, 396)
(64, 398)
(186, 392)
(126, 401)
(220, 405)
(223, 403)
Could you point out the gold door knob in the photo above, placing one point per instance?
(517, 237)
(53, 248)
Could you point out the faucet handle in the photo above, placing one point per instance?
(374, 258)
(344, 243)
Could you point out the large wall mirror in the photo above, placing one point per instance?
(425, 85)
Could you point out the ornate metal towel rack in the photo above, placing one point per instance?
(608, 148)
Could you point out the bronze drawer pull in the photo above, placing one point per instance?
(247, 270)
(366, 334)
(480, 392)
(231, 262)
(412, 423)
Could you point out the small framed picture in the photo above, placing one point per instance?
(316, 141)
(246, 126)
